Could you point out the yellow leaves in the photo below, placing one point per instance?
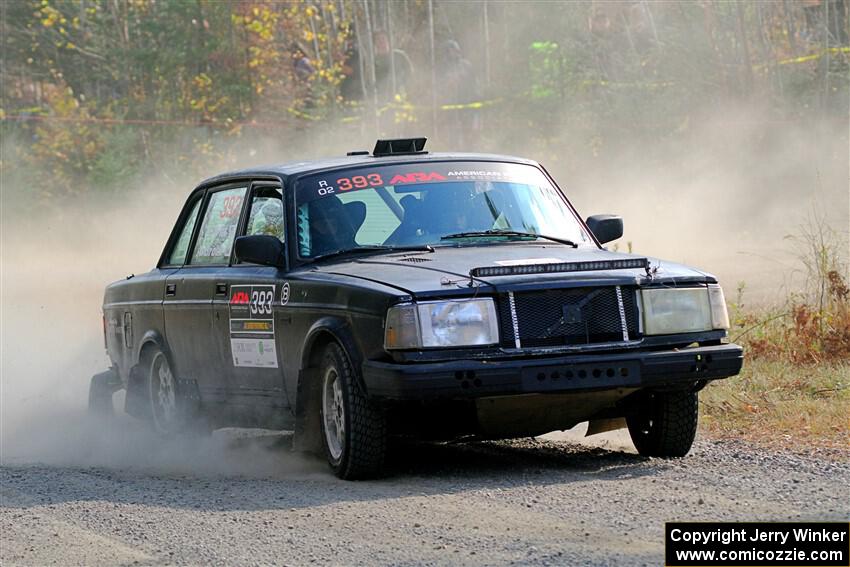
(50, 16)
(308, 35)
(202, 81)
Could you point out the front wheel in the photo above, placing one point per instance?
(665, 424)
(354, 429)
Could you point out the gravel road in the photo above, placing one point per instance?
(241, 498)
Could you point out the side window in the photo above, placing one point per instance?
(181, 247)
(266, 213)
(215, 239)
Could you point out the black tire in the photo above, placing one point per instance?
(665, 423)
(101, 389)
(172, 411)
(359, 451)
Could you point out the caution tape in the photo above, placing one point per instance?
(814, 56)
(471, 105)
(304, 115)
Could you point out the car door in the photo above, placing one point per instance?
(247, 316)
(189, 293)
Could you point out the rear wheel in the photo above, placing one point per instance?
(173, 411)
(665, 424)
(354, 430)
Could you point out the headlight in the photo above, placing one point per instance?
(453, 323)
(668, 311)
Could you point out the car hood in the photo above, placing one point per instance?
(445, 272)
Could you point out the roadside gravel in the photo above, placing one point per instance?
(546, 501)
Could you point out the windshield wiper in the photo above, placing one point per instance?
(374, 248)
(507, 232)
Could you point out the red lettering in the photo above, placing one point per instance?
(399, 179)
(240, 298)
(416, 177)
(231, 206)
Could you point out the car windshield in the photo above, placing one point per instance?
(439, 204)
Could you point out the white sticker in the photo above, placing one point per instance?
(252, 335)
(254, 353)
(528, 261)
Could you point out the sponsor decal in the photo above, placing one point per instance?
(416, 177)
(284, 293)
(254, 353)
(252, 332)
(372, 177)
(478, 174)
(240, 298)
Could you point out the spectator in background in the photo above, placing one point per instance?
(352, 87)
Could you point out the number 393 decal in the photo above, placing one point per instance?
(251, 301)
(252, 335)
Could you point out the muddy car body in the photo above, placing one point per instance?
(431, 295)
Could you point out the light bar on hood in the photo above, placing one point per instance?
(596, 265)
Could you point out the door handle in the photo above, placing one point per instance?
(221, 289)
(170, 290)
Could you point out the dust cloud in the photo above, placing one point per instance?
(730, 197)
(54, 268)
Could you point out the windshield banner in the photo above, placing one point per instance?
(412, 174)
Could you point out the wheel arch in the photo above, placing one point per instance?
(151, 339)
(324, 331)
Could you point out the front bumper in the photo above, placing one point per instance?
(464, 379)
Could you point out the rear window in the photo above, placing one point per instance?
(218, 229)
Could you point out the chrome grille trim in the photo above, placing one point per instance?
(514, 320)
(622, 314)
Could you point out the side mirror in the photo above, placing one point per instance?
(260, 249)
(605, 227)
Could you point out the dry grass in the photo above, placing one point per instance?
(782, 405)
(794, 390)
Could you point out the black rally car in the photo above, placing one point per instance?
(402, 292)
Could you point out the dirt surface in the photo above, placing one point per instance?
(243, 498)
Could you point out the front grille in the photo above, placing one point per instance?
(572, 316)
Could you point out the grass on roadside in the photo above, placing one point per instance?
(794, 389)
(779, 404)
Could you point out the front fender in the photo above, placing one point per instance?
(341, 331)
